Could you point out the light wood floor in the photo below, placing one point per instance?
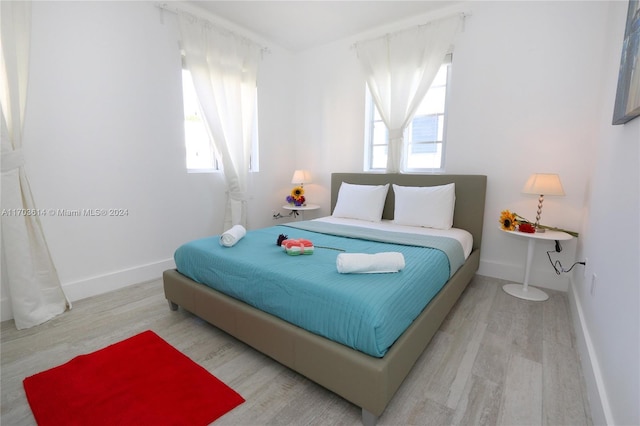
(495, 360)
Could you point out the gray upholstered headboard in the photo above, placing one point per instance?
(470, 195)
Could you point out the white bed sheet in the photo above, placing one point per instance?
(463, 237)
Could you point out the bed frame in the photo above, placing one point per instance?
(366, 381)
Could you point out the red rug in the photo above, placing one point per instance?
(142, 380)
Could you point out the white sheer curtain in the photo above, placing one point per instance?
(399, 69)
(35, 291)
(224, 69)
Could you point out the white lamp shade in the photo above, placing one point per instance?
(300, 177)
(543, 184)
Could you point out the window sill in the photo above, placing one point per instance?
(203, 171)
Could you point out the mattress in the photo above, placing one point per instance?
(366, 312)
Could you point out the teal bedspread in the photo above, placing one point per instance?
(366, 312)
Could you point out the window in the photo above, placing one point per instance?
(201, 155)
(424, 137)
(200, 152)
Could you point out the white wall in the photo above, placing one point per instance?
(610, 316)
(103, 130)
(524, 102)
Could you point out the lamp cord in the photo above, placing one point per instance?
(557, 266)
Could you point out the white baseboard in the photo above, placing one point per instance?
(543, 277)
(94, 286)
(598, 400)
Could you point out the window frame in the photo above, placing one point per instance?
(217, 165)
(184, 74)
(370, 122)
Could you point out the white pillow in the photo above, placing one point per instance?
(364, 202)
(426, 206)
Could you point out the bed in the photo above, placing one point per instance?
(365, 378)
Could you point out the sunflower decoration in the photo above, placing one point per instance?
(297, 192)
(508, 220)
(297, 196)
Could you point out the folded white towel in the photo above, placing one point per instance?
(232, 236)
(363, 263)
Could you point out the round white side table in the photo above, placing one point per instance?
(523, 291)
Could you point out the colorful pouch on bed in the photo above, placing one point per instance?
(297, 247)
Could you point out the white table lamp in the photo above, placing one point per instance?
(300, 177)
(542, 184)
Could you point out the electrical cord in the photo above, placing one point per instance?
(557, 266)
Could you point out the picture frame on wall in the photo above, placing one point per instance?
(627, 104)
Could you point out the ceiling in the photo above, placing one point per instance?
(299, 25)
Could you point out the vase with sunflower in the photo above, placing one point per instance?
(296, 198)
